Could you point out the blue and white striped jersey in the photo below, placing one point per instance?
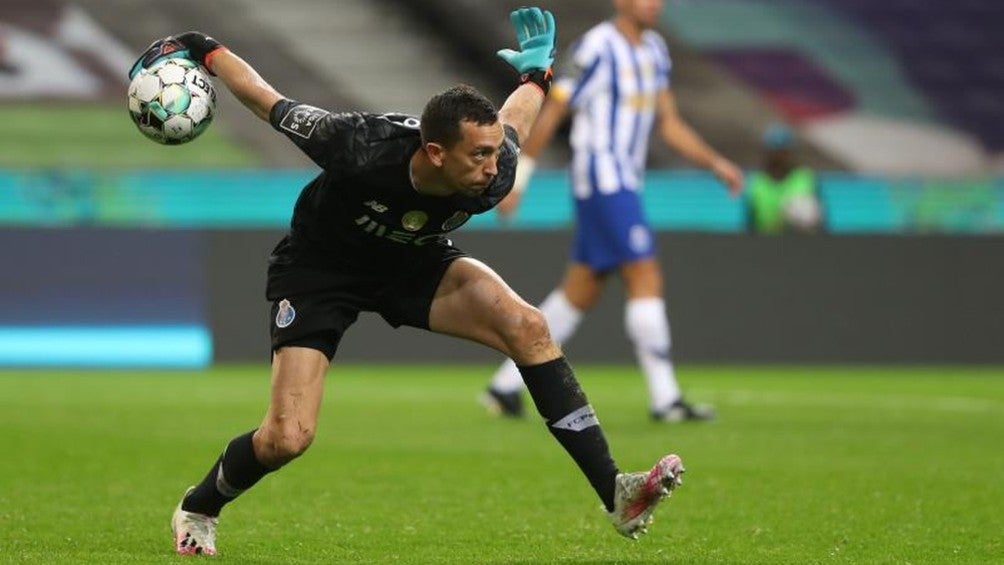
(611, 86)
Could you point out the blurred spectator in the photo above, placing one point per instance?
(782, 196)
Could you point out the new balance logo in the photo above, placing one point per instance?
(376, 206)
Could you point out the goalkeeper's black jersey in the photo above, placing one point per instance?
(362, 211)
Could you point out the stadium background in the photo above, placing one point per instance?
(856, 373)
(107, 235)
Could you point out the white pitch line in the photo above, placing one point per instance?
(882, 401)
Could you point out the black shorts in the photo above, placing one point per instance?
(313, 306)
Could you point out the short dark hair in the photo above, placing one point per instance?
(443, 114)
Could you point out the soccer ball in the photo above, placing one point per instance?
(172, 102)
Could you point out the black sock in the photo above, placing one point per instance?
(240, 471)
(572, 421)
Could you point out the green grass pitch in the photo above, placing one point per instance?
(814, 465)
(102, 136)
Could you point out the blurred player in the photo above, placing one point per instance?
(369, 234)
(617, 85)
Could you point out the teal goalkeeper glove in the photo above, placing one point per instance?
(192, 45)
(536, 34)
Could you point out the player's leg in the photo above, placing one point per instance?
(305, 332)
(647, 326)
(582, 286)
(567, 304)
(563, 309)
(285, 433)
(291, 420)
(473, 302)
(464, 298)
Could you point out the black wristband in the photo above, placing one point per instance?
(539, 77)
(198, 44)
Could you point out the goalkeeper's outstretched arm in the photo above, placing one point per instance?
(239, 77)
(245, 83)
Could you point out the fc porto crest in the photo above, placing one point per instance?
(286, 314)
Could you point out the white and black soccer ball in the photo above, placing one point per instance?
(172, 102)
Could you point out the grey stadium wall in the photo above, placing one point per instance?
(732, 299)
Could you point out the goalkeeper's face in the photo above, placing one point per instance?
(471, 163)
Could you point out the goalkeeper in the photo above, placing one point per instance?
(369, 233)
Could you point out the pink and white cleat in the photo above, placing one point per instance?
(637, 494)
(194, 534)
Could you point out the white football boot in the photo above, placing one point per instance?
(194, 534)
(637, 494)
